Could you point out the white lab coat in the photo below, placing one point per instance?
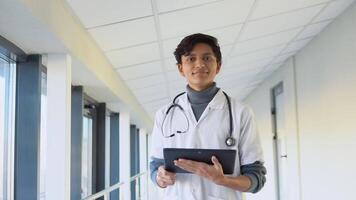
(209, 132)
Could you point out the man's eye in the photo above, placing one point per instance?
(208, 58)
(191, 59)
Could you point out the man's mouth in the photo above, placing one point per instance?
(200, 72)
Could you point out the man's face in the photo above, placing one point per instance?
(199, 67)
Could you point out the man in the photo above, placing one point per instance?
(199, 118)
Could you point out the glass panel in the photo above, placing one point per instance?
(43, 137)
(87, 157)
(7, 108)
(3, 161)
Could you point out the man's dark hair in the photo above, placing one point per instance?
(186, 46)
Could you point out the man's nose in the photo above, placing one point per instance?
(200, 63)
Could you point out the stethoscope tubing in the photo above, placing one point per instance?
(230, 141)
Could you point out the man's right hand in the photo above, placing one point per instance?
(165, 178)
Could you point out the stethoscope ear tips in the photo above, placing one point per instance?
(230, 141)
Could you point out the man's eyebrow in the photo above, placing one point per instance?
(204, 54)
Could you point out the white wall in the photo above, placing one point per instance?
(321, 115)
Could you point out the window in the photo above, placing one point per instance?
(43, 137)
(87, 155)
(7, 124)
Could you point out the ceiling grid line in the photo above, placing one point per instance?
(200, 5)
(147, 16)
(250, 39)
(160, 44)
(243, 28)
(256, 37)
(296, 36)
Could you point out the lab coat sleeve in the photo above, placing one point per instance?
(249, 145)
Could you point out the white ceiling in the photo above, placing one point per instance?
(256, 37)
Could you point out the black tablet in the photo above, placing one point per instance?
(226, 158)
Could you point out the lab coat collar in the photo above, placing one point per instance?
(218, 102)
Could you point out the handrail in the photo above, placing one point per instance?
(106, 191)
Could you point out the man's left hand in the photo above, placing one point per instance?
(212, 172)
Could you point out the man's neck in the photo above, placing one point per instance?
(200, 88)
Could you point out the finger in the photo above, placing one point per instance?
(167, 180)
(216, 162)
(186, 165)
(164, 172)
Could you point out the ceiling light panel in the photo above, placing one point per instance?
(140, 71)
(333, 9)
(125, 34)
(274, 7)
(265, 42)
(94, 13)
(279, 23)
(134, 55)
(313, 30)
(210, 16)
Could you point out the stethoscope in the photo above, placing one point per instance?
(229, 141)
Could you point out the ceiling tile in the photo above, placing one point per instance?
(134, 55)
(157, 103)
(241, 69)
(225, 52)
(170, 5)
(94, 13)
(273, 7)
(239, 76)
(149, 91)
(177, 85)
(279, 23)
(312, 30)
(255, 56)
(170, 45)
(226, 36)
(333, 9)
(265, 42)
(170, 64)
(125, 34)
(281, 59)
(153, 96)
(210, 16)
(174, 76)
(140, 71)
(146, 81)
(297, 45)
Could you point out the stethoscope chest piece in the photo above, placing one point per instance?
(230, 141)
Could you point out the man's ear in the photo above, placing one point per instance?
(180, 68)
(218, 68)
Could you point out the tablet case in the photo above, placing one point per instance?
(226, 158)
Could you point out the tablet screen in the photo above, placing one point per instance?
(225, 156)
